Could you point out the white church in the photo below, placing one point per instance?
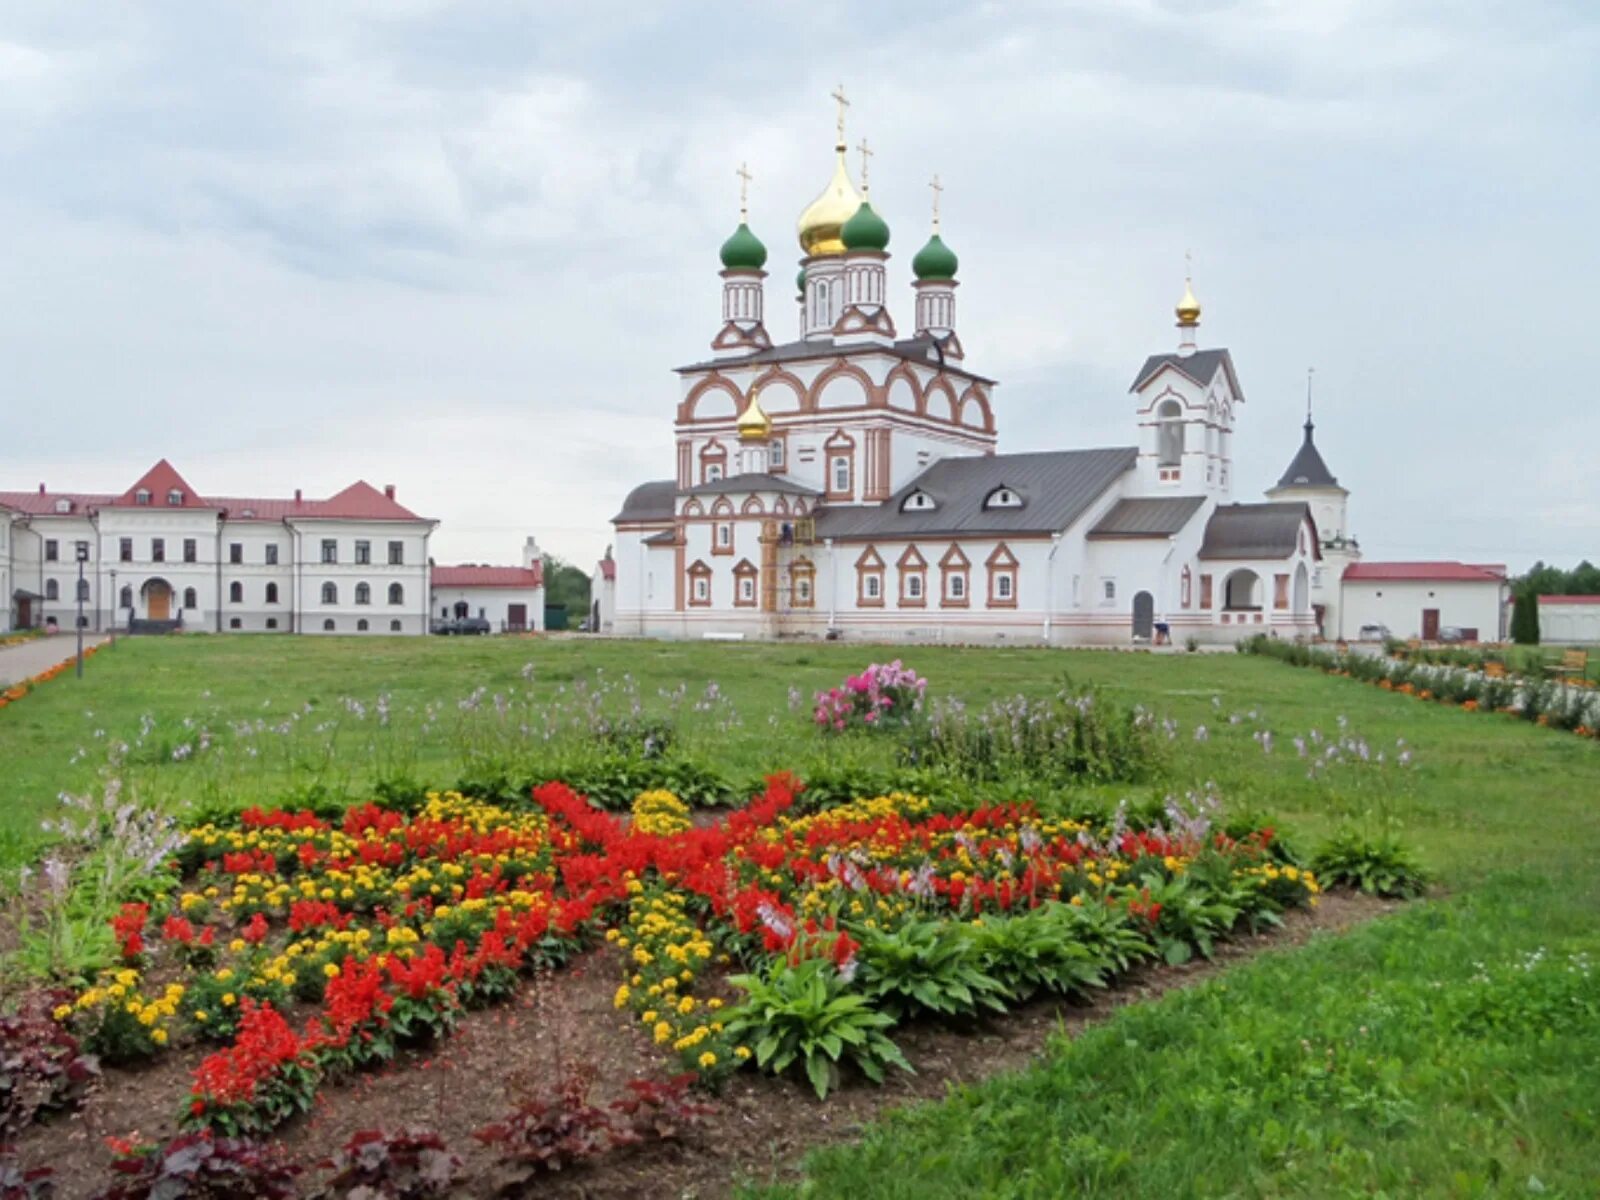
(846, 483)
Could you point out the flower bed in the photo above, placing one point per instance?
(305, 949)
(17, 691)
(1550, 703)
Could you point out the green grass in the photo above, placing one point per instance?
(1456, 1087)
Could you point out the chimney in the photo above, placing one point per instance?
(41, 489)
(531, 554)
(297, 495)
(388, 490)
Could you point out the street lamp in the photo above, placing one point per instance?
(83, 557)
(115, 596)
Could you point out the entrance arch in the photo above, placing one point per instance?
(1144, 615)
(1301, 596)
(157, 597)
(1241, 592)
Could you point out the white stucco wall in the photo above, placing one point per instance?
(493, 604)
(1399, 605)
(1569, 624)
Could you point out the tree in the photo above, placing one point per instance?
(1525, 618)
(566, 587)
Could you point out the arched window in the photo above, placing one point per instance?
(397, 594)
(236, 593)
(272, 593)
(394, 626)
(327, 626)
(125, 600)
(52, 590)
(191, 598)
(361, 625)
(1170, 434)
(330, 594)
(363, 593)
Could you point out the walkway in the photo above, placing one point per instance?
(27, 659)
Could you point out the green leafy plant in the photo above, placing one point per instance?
(1379, 865)
(926, 966)
(806, 1013)
(1038, 951)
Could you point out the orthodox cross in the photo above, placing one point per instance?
(838, 94)
(744, 190)
(1310, 374)
(866, 154)
(1188, 267)
(937, 189)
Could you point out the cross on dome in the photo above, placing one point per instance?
(838, 95)
(866, 156)
(937, 189)
(744, 190)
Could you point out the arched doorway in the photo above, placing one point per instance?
(1144, 615)
(157, 596)
(463, 610)
(1301, 595)
(1242, 591)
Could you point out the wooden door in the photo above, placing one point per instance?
(158, 597)
(24, 613)
(1144, 615)
(517, 616)
(1430, 624)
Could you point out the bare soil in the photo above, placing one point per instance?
(760, 1127)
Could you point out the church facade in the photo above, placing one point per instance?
(846, 483)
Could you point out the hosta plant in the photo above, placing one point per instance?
(42, 1068)
(926, 966)
(805, 1013)
(1037, 951)
(1379, 866)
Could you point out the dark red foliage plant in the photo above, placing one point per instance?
(19, 1183)
(405, 1165)
(198, 1166)
(565, 1128)
(42, 1068)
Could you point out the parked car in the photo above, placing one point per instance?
(1373, 633)
(454, 625)
(1454, 633)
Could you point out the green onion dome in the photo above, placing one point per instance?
(866, 230)
(800, 282)
(935, 260)
(743, 251)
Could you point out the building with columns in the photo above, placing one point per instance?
(847, 483)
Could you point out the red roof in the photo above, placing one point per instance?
(358, 502)
(1440, 572)
(1569, 599)
(468, 575)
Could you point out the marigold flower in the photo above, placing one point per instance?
(707, 1060)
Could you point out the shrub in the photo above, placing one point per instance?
(806, 1013)
(1038, 951)
(1379, 866)
(198, 1166)
(403, 1165)
(42, 1068)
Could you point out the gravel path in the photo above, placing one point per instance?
(27, 659)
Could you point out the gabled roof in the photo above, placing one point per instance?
(1434, 572)
(1160, 516)
(470, 575)
(1307, 468)
(750, 481)
(1200, 368)
(653, 501)
(920, 349)
(1056, 486)
(43, 503)
(159, 481)
(1569, 599)
(1256, 531)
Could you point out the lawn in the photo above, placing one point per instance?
(1449, 1050)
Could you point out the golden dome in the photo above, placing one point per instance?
(753, 424)
(824, 217)
(1188, 309)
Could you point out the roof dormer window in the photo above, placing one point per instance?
(1002, 497)
(918, 502)
(142, 496)
(175, 498)
(247, 513)
(63, 506)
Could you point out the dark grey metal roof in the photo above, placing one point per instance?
(750, 482)
(665, 538)
(653, 501)
(1201, 366)
(1307, 468)
(1159, 516)
(1056, 487)
(1255, 530)
(922, 348)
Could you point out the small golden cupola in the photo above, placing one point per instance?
(822, 223)
(1188, 309)
(753, 424)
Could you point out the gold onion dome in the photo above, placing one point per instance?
(753, 424)
(822, 223)
(1188, 309)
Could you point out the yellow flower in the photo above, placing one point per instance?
(662, 1032)
(158, 1036)
(62, 1012)
(331, 970)
(741, 1052)
(621, 997)
(708, 1059)
(200, 1015)
(227, 999)
(686, 1005)
(647, 1016)
(237, 945)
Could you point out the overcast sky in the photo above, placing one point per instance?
(460, 247)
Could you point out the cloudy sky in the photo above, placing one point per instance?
(459, 247)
